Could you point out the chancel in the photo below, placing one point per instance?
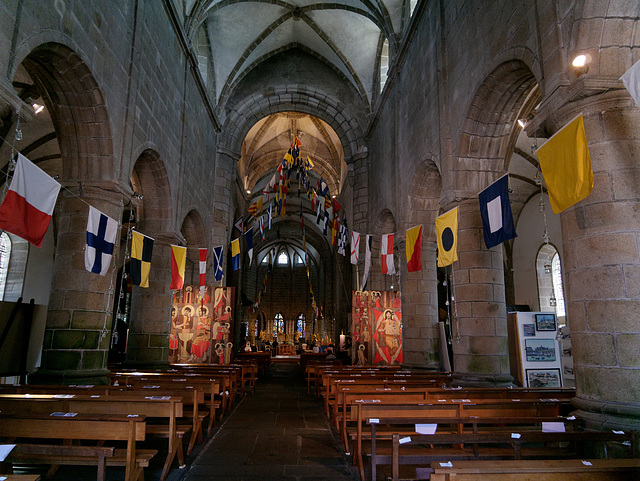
(337, 240)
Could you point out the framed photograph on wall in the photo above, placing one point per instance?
(543, 378)
(540, 350)
(529, 330)
(545, 322)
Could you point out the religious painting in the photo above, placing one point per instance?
(387, 336)
(370, 331)
(200, 319)
(222, 328)
(190, 334)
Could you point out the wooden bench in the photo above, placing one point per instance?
(423, 450)
(455, 408)
(165, 408)
(85, 427)
(20, 477)
(51, 454)
(540, 470)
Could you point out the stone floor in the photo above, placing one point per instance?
(280, 432)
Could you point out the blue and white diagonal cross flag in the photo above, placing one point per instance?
(217, 263)
(101, 239)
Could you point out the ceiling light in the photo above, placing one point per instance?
(579, 61)
(333, 196)
(522, 123)
(248, 192)
(37, 107)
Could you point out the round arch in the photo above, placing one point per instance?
(78, 110)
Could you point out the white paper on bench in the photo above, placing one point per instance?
(515, 436)
(426, 428)
(553, 427)
(405, 440)
(374, 421)
(158, 398)
(448, 464)
(587, 463)
(5, 449)
(64, 415)
(63, 396)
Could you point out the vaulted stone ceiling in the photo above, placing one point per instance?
(345, 34)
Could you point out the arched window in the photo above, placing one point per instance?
(301, 325)
(283, 259)
(558, 292)
(550, 291)
(5, 254)
(384, 63)
(299, 260)
(278, 325)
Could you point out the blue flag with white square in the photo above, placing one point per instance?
(101, 239)
(495, 210)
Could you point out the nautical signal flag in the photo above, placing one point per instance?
(218, 255)
(495, 210)
(202, 266)
(414, 248)
(367, 261)
(248, 239)
(566, 165)
(386, 252)
(631, 81)
(27, 208)
(261, 226)
(355, 247)
(101, 240)
(447, 232)
(178, 263)
(235, 254)
(141, 249)
(255, 208)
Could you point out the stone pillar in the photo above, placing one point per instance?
(420, 308)
(481, 356)
(78, 328)
(151, 306)
(602, 265)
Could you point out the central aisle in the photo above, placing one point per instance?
(280, 432)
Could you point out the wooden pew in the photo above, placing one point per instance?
(85, 427)
(540, 470)
(21, 477)
(455, 408)
(50, 454)
(262, 358)
(158, 407)
(423, 449)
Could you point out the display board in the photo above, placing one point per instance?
(201, 326)
(377, 327)
(534, 352)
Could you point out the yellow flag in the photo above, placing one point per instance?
(566, 166)
(447, 232)
(178, 264)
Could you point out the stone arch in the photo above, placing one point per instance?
(150, 171)
(487, 135)
(78, 110)
(194, 234)
(420, 325)
(309, 101)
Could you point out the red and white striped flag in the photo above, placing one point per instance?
(202, 256)
(27, 208)
(386, 250)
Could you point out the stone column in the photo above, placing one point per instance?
(420, 308)
(481, 356)
(78, 328)
(602, 264)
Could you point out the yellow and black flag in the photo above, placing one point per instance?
(141, 248)
(447, 232)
